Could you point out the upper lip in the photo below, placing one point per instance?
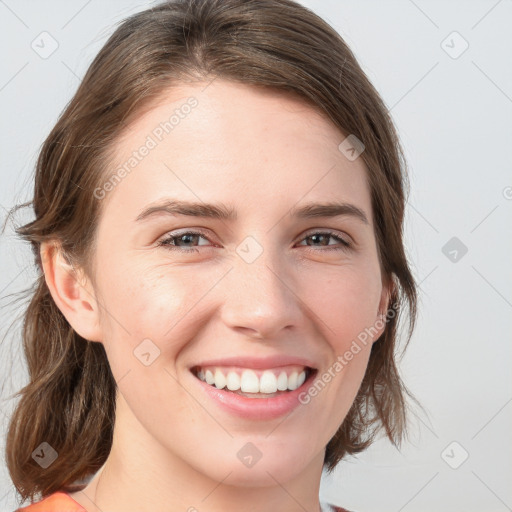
(257, 362)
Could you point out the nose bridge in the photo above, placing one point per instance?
(260, 295)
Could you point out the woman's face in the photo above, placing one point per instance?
(265, 283)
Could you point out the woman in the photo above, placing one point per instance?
(218, 230)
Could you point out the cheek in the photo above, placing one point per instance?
(345, 305)
(345, 300)
(159, 303)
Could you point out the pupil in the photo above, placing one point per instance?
(317, 237)
(186, 238)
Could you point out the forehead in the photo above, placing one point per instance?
(238, 143)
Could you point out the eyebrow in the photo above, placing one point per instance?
(223, 212)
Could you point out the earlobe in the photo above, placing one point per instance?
(71, 291)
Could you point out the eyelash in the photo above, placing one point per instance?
(166, 242)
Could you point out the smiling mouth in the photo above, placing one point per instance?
(255, 383)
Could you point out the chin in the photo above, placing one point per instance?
(275, 463)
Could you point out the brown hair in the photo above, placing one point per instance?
(69, 401)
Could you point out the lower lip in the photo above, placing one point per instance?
(256, 408)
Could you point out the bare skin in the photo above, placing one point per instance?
(263, 154)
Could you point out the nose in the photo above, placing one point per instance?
(262, 297)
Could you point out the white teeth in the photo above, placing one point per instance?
(292, 381)
(282, 382)
(233, 381)
(268, 382)
(210, 379)
(220, 380)
(249, 382)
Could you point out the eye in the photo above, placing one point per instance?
(187, 237)
(324, 236)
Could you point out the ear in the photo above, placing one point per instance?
(388, 289)
(72, 292)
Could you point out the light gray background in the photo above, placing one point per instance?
(454, 116)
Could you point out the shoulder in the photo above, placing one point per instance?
(56, 502)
